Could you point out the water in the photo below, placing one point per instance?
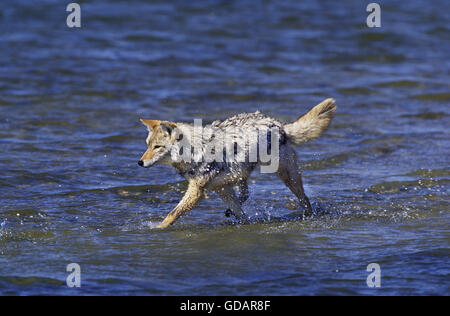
(70, 138)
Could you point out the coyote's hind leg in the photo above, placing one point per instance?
(289, 172)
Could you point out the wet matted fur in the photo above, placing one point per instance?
(223, 174)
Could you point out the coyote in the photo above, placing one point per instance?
(223, 174)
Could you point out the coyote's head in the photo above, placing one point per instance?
(161, 137)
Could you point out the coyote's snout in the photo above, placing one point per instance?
(222, 155)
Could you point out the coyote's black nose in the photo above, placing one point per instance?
(140, 163)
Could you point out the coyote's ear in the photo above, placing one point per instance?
(150, 124)
(168, 127)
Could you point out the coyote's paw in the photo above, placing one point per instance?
(162, 225)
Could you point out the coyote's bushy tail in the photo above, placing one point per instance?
(312, 124)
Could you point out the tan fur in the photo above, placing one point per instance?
(192, 196)
(148, 155)
(151, 124)
(158, 136)
(312, 124)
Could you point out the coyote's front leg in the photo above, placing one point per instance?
(192, 196)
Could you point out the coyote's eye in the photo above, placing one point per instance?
(157, 146)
